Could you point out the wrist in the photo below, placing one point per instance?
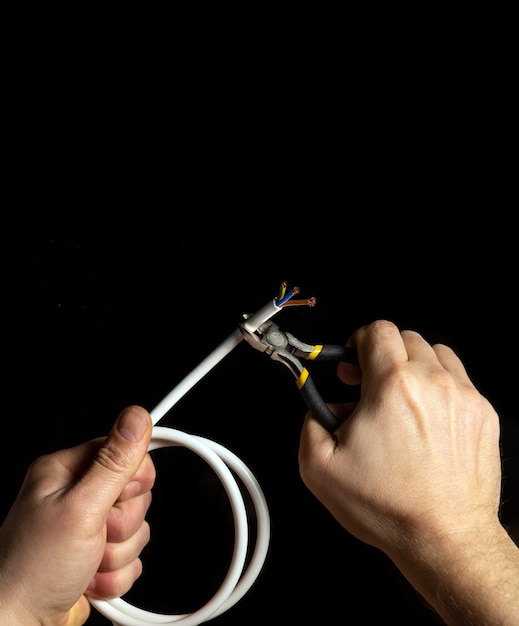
(469, 576)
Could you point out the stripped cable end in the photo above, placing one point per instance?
(286, 299)
(253, 322)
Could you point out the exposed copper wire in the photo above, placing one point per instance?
(284, 299)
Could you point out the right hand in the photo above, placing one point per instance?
(418, 455)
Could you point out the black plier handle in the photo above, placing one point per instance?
(283, 347)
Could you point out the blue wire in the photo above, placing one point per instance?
(285, 299)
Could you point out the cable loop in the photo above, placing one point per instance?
(238, 579)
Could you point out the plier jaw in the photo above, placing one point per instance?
(276, 344)
(284, 348)
(257, 338)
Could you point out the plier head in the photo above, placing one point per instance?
(267, 338)
(264, 335)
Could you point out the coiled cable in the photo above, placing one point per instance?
(239, 578)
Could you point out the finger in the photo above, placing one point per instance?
(349, 373)
(314, 438)
(142, 481)
(418, 349)
(118, 555)
(114, 584)
(316, 448)
(126, 517)
(378, 345)
(117, 460)
(451, 362)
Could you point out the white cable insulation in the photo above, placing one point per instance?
(238, 579)
(237, 582)
(199, 372)
(252, 324)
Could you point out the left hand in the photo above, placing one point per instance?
(77, 526)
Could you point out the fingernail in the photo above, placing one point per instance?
(132, 424)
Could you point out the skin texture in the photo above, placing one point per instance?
(90, 502)
(415, 471)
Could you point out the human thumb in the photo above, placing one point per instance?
(119, 457)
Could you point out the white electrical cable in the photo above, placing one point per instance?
(238, 579)
(199, 372)
(237, 582)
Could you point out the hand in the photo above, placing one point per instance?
(420, 442)
(77, 527)
(415, 469)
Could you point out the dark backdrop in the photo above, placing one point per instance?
(94, 323)
(160, 177)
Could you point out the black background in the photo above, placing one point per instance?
(160, 178)
(92, 324)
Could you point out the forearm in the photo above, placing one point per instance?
(469, 583)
